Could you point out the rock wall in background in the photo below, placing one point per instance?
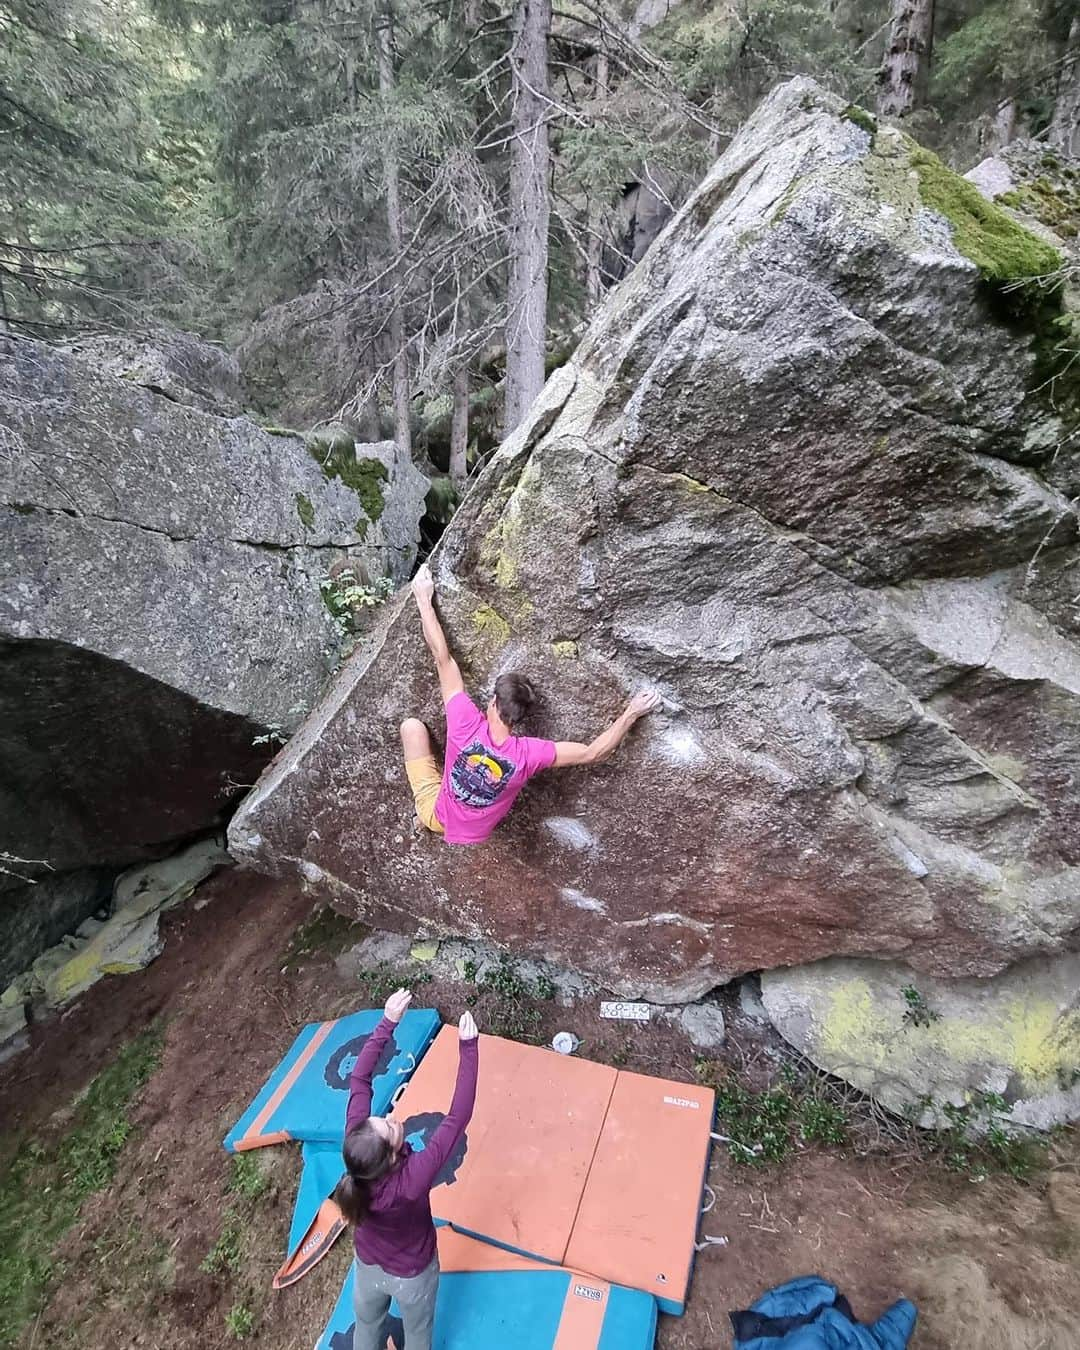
(161, 611)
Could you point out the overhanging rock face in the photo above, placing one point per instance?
(801, 479)
(160, 610)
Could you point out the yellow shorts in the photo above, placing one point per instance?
(425, 779)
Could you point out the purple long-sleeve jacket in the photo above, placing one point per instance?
(398, 1233)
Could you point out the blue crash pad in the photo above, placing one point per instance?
(323, 1170)
(527, 1309)
(306, 1095)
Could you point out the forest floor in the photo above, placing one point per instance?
(123, 1223)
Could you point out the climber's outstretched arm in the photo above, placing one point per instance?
(569, 753)
(423, 589)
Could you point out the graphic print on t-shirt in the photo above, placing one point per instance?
(479, 777)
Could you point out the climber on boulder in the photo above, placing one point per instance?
(487, 764)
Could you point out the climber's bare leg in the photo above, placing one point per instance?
(423, 773)
(415, 739)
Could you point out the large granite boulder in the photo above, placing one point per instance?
(161, 614)
(810, 475)
(918, 1044)
(178, 365)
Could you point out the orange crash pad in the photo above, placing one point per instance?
(518, 1178)
(571, 1162)
(638, 1217)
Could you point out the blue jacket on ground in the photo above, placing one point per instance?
(811, 1314)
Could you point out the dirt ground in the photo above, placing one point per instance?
(990, 1265)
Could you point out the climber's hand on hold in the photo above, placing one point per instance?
(644, 702)
(467, 1030)
(397, 1005)
(423, 584)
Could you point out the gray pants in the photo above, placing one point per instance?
(415, 1297)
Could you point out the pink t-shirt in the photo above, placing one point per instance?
(481, 779)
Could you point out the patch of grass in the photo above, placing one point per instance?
(240, 1322)
(44, 1188)
(133, 1268)
(509, 999)
(763, 1127)
(978, 1144)
(224, 1257)
(823, 1122)
(326, 931)
(247, 1179)
(379, 982)
(247, 1184)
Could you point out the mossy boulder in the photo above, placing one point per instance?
(800, 477)
(387, 486)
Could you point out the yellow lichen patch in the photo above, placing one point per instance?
(1028, 1036)
(854, 1027)
(565, 650)
(501, 547)
(489, 623)
(692, 484)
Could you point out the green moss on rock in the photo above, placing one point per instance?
(1057, 208)
(861, 118)
(305, 510)
(335, 454)
(1021, 272)
(1008, 256)
(366, 481)
(784, 204)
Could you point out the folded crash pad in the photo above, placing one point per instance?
(517, 1176)
(571, 1162)
(317, 1222)
(491, 1299)
(638, 1217)
(306, 1095)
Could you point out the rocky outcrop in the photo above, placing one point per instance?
(177, 365)
(162, 620)
(126, 937)
(810, 475)
(35, 915)
(918, 1045)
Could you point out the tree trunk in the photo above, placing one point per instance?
(907, 57)
(459, 428)
(594, 248)
(1003, 132)
(370, 422)
(1065, 123)
(385, 60)
(530, 209)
